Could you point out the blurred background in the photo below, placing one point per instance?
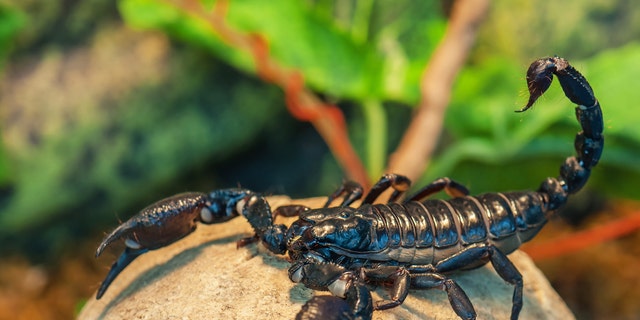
(107, 106)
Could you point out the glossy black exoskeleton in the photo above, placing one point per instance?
(411, 244)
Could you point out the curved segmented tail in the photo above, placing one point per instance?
(589, 143)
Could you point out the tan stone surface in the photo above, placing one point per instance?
(204, 276)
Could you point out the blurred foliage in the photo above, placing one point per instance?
(489, 147)
(108, 106)
(519, 150)
(367, 51)
(83, 132)
(386, 64)
(120, 151)
(97, 122)
(525, 29)
(98, 119)
(11, 22)
(382, 62)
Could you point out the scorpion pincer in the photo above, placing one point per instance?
(409, 244)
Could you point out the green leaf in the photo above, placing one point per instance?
(5, 168)
(11, 22)
(376, 53)
(510, 150)
(612, 75)
(301, 38)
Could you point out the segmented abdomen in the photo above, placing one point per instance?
(429, 231)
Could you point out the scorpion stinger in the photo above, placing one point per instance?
(416, 244)
(589, 143)
(410, 245)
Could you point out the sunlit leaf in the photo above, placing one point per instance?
(510, 150)
(301, 38)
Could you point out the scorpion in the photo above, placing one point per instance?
(413, 243)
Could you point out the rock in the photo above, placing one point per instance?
(204, 276)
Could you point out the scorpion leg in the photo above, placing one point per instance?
(258, 212)
(460, 303)
(356, 305)
(451, 187)
(399, 289)
(290, 210)
(352, 299)
(503, 266)
(351, 190)
(399, 183)
(418, 278)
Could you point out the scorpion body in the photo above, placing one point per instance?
(430, 231)
(410, 244)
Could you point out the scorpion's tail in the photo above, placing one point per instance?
(589, 143)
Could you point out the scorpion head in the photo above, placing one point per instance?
(320, 232)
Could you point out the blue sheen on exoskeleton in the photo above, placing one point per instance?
(410, 244)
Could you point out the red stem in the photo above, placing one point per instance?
(301, 103)
(583, 239)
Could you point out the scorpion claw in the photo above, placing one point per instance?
(156, 226)
(173, 218)
(123, 261)
(325, 307)
(161, 223)
(115, 235)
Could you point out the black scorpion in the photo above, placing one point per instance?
(411, 244)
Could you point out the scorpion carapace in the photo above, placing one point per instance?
(409, 244)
